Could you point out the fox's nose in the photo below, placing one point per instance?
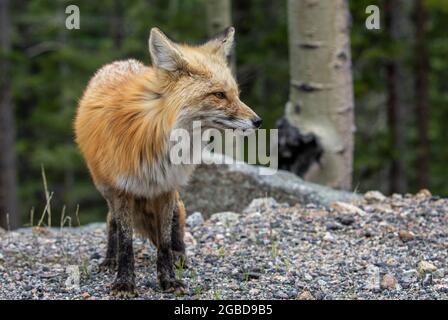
(257, 122)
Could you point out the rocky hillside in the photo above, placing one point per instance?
(375, 248)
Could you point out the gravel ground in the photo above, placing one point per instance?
(377, 248)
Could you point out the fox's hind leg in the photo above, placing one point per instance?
(178, 232)
(110, 262)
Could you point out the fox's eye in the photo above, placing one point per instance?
(219, 95)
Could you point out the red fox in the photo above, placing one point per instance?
(122, 127)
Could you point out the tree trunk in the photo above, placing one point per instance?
(219, 17)
(321, 88)
(395, 99)
(421, 95)
(9, 215)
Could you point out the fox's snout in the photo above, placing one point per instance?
(257, 121)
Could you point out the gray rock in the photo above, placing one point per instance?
(195, 219)
(231, 187)
(280, 295)
(224, 217)
(427, 280)
(408, 277)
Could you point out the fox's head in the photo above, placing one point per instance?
(199, 80)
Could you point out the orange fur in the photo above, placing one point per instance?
(124, 117)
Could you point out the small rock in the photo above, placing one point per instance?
(85, 295)
(373, 279)
(254, 292)
(374, 196)
(225, 217)
(346, 219)
(259, 203)
(343, 207)
(305, 295)
(280, 295)
(308, 277)
(2, 258)
(195, 219)
(424, 193)
(388, 282)
(408, 277)
(439, 273)
(329, 237)
(427, 280)
(425, 267)
(405, 235)
(333, 226)
(41, 231)
(292, 293)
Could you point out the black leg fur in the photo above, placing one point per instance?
(110, 262)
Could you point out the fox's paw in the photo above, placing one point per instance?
(124, 289)
(108, 264)
(172, 286)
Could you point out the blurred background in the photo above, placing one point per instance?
(400, 77)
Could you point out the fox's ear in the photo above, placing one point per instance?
(164, 53)
(222, 43)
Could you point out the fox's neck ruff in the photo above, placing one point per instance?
(149, 127)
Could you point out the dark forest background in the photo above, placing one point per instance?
(50, 67)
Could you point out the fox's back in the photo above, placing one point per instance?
(102, 101)
(115, 74)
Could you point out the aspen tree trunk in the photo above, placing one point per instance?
(9, 215)
(321, 88)
(421, 95)
(219, 17)
(396, 88)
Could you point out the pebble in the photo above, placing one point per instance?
(424, 193)
(425, 266)
(261, 203)
(224, 217)
(281, 295)
(334, 226)
(347, 208)
(305, 295)
(427, 280)
(195, 219)
(346, 219)
(329, 237)
(388, 282)
(405, 235)
(374, 196)
(308, 277)
(408, 277)
(373, 279)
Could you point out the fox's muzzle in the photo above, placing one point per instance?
(257, 122)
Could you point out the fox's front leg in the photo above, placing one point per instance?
(124, 284)
(165, 261)
(178, 232)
